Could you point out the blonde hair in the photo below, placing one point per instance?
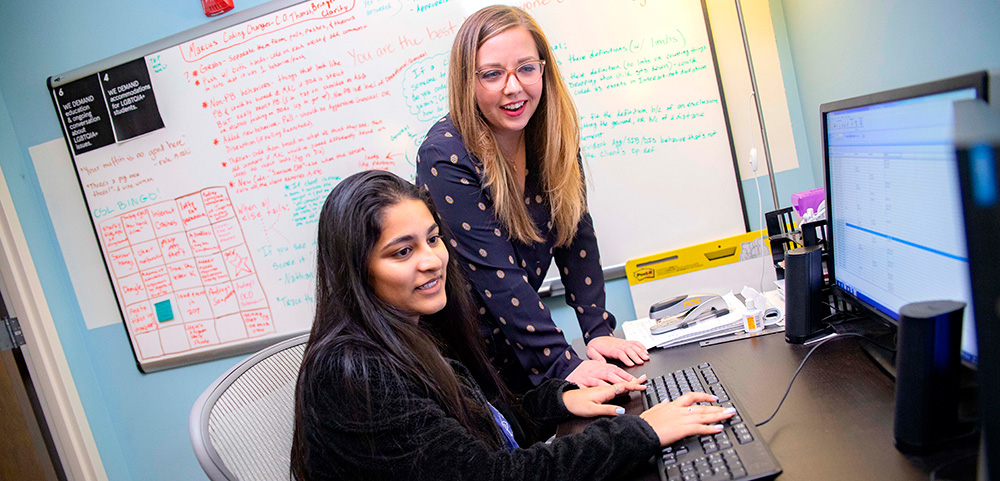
(552, 132)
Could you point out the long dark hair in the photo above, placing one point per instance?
(354, 327)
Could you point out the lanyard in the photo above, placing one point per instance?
(504, 426)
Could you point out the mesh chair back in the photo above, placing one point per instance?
(241, 426)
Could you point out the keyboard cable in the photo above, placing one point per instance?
(803, 363)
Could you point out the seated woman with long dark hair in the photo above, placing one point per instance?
(395, 384)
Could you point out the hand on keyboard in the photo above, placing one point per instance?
(589, 402)
(735, 452)
(681, 418)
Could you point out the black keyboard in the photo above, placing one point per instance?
(736, 453)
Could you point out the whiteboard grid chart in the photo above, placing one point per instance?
(185, 274)
(248, 122)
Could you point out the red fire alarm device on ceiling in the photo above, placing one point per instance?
(216, 7)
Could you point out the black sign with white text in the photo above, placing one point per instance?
(84, 114)
(129, 95)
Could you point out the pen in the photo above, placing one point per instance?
(707, 315)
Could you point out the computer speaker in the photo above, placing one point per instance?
(928, 361)
(803, 293)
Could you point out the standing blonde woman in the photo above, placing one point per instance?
(505, 171)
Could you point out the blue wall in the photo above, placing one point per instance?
(829, 51)
(845, 48)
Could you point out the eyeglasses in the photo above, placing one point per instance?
(527, 73)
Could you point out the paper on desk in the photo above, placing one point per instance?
(775, 300)
(774, 304)
(638, 330)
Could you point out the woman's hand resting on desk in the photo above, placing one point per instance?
(629, 353)
(598, 372)
(589, 402)
(592, 373)
(681, 418)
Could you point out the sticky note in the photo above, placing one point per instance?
(164, 312)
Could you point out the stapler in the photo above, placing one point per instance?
(682, 311)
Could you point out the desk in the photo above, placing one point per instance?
(835, 424)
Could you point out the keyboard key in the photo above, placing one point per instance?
(738, 473)
(715, 477)
(673, 473)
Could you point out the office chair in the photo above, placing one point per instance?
(241, 426)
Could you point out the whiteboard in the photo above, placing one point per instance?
(204, 159)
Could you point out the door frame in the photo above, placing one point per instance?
(43, 351)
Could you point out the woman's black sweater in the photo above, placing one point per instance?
(401, 433)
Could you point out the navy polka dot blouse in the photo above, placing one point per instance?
(522, 341)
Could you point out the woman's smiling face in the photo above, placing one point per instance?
(408, 264)
(509, 109)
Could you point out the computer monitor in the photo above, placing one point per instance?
(977, 139)
(894, 208)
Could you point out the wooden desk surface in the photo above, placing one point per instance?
(837, 422)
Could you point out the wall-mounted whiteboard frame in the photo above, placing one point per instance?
(600, 185)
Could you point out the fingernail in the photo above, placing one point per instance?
(620, 410)
(642, 377)
(714, 397)
(719, 427)
(729, 411)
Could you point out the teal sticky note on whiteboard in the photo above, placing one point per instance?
(164, 312)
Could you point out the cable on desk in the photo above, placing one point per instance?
(847, 317)
(803, 363)
(865, 336)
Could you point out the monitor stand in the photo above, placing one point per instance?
(876, 331)
(885, 360)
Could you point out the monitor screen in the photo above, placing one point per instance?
(894, 203)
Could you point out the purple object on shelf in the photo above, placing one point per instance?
(809, 199)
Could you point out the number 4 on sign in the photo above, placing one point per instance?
(105, 77)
